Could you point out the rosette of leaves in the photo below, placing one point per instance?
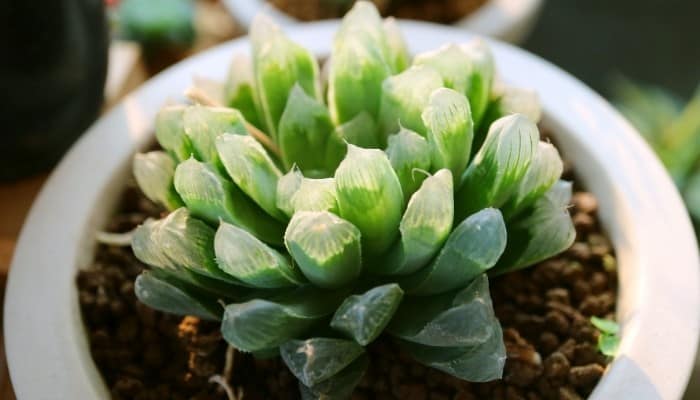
(357, 213)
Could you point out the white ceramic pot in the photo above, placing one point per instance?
(659, 299)
(509, 20)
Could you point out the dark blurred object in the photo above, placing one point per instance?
(164, 28)
(53, 64)
(653, 41)
(440, 11)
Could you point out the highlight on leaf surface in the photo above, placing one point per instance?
(409, 154)
(154, 172)
(239, 89)
(370, 197)
(326, 247)
(170, 132)
(204, 124)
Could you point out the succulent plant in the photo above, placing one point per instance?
(360, 216)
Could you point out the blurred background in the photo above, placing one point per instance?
(66, 62)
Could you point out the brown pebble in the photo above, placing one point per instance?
(548, 342)
(556, 366)
(586, 375)
(559, 295)
(585, 202)
(557, 322)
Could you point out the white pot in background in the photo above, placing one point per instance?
(509, 20)
(659, 298)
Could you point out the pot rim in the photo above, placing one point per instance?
(659, 298)
(509, 20)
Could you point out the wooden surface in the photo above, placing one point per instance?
(213, 26)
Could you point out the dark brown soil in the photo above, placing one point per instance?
(544, 310)
(441, 11)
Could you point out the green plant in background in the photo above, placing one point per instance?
(359, 212)
(672, 128)
(157, 24)
(608, 339)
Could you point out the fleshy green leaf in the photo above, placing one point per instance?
(316, 195)
(404, 96)
(605, 325)
(361, 131)
(424, 226)
(239, 90)
(608, 344)
(204, 124)
(520, 101)
(340, 386)
(170, 132)
(279, 64)
(243, 256)
(326, 247)
(167, 294)
(481, 77)
(154, 172)
(252, 169)
(370, 197)
(363, 317)
(307, 136)
(211, 197)
(452, 63)
(481, 363)
(454, 319)
(315, 360)
(287, 186)
(408, 152)
(546, 168)
(398, 53)
(450, 130)
(471, 249)
(499, 165)
(541, 232)
(260, 324)
(146, 246)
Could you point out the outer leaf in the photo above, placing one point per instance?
(263, 324)
(424, 226)
(203, 125)
(454, 319)
(167, 294)
(499, 165)
(541, 233)
(408, 152)
(243, 256)
(364, 317)
(146, 246)
(472, 248)
(252, 169)
(287, 186)
(481, 77)
(279, 64)
(170, 132)
(210, 196)
(370, 197)
(340, 386)
(361, 131)
(316, 195)
(450, 130)
(480, 363)
(315, 360)
(404, 96)
(307, 136)
(154, 172)
(239, 90)
(546, 168)
(326, 247)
